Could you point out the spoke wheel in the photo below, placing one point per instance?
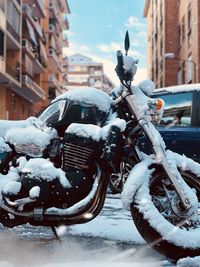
(163, 197)
(166, 201)
(117, 180)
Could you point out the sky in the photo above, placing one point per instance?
(97, 30)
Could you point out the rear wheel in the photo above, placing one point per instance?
(160, 219)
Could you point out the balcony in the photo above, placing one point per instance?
(28, 48)
(38, 66)
(53, 9)
(54, 83)
(65, 42)
(54, 27)
(54, 63)
(31, 90)
(38, 8)
(65, 23)
(37, 58)
(28, 13)
(14, 72)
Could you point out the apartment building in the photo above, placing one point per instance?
(31, 62)
(173, 41)
(84, 72)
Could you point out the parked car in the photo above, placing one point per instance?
(180, 125)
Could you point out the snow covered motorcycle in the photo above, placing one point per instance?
(55, 168)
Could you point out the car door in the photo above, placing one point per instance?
(180, 124)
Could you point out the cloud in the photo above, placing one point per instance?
(74, 48)
(109, 48)
(134, 22)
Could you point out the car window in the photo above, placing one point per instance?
(178, 110)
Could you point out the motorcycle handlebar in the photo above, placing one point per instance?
(119, 59)
(120, 98)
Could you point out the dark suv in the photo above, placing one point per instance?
(180, 125)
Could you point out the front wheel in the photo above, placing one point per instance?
(116, 181)
(160, 219)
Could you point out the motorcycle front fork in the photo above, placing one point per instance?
(187, 197)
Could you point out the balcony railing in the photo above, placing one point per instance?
(14, 72)
(19, 2)
(54, 61)
(27, 10)
(36, 92)
(41, 3)
(12, 32)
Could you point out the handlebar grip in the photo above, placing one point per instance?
(119, 59)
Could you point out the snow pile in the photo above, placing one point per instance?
(38, 168)
(12, 187)
(189, 262)
(5, 125)
(3, 146)
(90, 96)
(147, 87)
(43, 169)
(179, 88)
(8, 182)
(130, 64)
(93, 131)
(137, 186)
(34, 192)
(85, 130)
(30, 135)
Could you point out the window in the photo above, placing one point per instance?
(14, 104)
(178, 109)
(189, 19)
(1, 43)
(190, 67)
(23, 109)
(179, 35)
(2, 5)
(183, 72)
(13, 17)
(189, 27)
(83, 79)
(183, 29)
(71, 68)
(83, 68)
(179, 76)
(71, 79)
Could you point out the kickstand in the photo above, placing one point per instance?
(55, 233)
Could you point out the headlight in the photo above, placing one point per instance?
(29, 150)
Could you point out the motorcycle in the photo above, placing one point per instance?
(55, 168)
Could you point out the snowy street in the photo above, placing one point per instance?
(109, 240)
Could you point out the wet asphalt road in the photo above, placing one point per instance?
(36, 244)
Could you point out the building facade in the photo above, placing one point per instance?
(173, 41)
(84, 72)
(31, 62)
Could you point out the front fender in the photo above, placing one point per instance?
(138, 175)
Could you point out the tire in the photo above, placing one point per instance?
(152, 233)
(116, 180)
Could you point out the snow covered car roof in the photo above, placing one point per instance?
(178, 89)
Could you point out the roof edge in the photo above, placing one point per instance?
(146, 8)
